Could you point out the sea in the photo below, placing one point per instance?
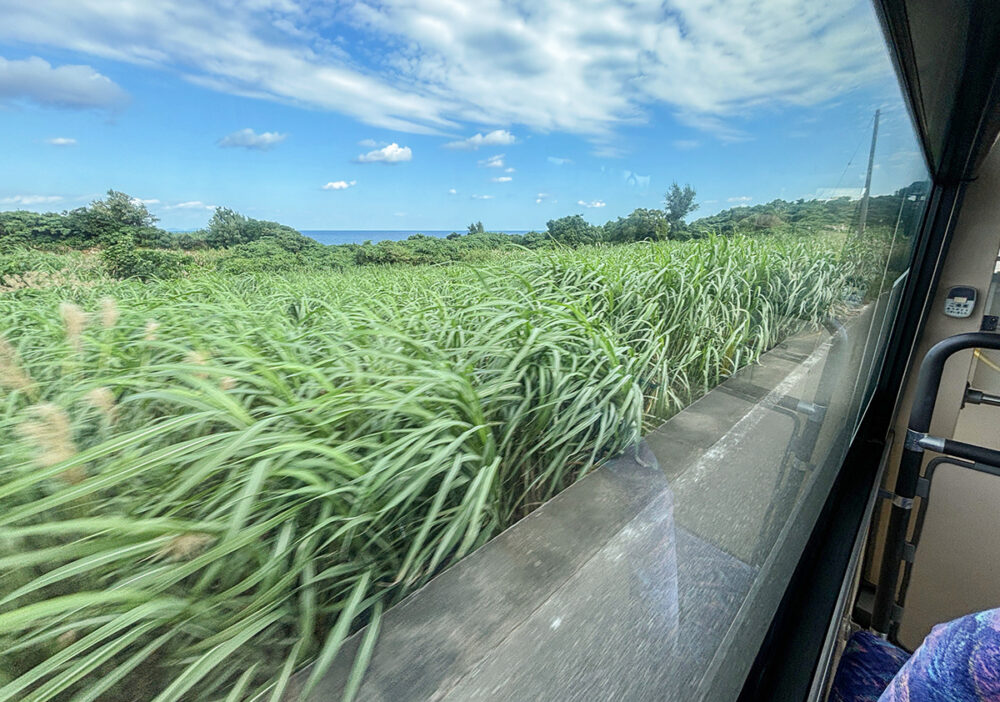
(360, 236)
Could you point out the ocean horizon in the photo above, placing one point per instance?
(360, 236)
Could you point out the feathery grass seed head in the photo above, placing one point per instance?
(185, 546)
(74, 321)
(109, 312)
(12, 374)
(52, 435)
(66, 638)
(101, 398)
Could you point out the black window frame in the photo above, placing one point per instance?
(791, 658)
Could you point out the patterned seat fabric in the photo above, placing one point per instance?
(866, 668)
(958, 662)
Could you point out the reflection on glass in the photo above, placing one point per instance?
(302, 305)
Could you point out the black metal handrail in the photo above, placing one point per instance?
(917, 441)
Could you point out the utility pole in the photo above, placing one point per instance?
(868, 179)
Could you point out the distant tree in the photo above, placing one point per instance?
(476, 228)
(189, 241)
(573, 230)
(37, 228)
(122, 209)
(118, 217)
(118, 212)
(641, 225)
(122, 259)
(762, 220)
(534, 240)
(679, 203)
(228, 228)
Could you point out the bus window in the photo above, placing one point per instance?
(304, 305)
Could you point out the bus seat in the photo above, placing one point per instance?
(867, 666)
(959, 661)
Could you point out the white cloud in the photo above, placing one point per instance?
(540, 197)
(29, 199)
(429, 65)
(232, 48)
(502, 179)
(592, 203)
(75, 87)
(560, 161)
(481, 197)
(608, 151)
(831, 193)
(61, 141)
(686, 144)
(249, 139)
(339, 185)
(742, 199)
(190, 205)
(368, 143)
(150, 201)
(392, 153)
(498, 137)
(493, 162)
(557, 66)
(452, 191)
(508, 170)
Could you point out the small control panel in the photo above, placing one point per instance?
(961, 301)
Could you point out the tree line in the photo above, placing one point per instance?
(132, 245)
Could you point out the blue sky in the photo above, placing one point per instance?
(429, 114)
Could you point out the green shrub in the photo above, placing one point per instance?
(262, 256)
(16, 261)
(123, 259)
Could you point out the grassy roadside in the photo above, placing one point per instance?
(207, 482)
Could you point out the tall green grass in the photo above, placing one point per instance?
(207, 483)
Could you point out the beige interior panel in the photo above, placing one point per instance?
(957, 567)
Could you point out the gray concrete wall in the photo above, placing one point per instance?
(655, 577)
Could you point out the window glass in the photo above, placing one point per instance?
(302, 303)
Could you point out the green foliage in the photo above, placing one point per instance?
(904, 206)
(45, 229)
(641, 225)
(762, 221)
(123, 224)
(123, 259)
(573, 230)
(117, 211)
(120, 217)
(18, 261)
(678, 204)
(420, 249)
(102, 222)
(217, 477)
(229, 228)
(263, 256)
(872, 261)
(191, 241)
